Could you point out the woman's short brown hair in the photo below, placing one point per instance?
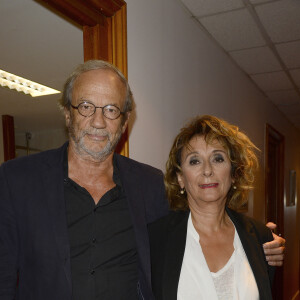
(239, 148)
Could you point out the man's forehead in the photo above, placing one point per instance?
(100, 74)
(104, 78)
(99, 84)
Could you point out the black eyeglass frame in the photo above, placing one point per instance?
(95, 107)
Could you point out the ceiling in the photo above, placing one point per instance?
(262, 37)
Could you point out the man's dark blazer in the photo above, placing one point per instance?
(167, 244)
(33, 227)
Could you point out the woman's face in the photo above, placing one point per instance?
(206, 171)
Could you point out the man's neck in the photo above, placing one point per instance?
(95, 176)
(86, 165)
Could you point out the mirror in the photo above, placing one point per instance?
(41, 46)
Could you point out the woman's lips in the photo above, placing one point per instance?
(209, 185)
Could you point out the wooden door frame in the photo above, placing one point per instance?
(279, 139)
(8, 137)
(104, 24)
(271, 131)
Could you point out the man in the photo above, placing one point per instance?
(73, 221)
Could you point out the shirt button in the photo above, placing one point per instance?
(94, 241)
(92, 272)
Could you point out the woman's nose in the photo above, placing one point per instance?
(207, 170)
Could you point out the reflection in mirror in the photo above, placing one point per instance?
(29, 143)
(45, 48)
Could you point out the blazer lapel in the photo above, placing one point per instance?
(133, 188)
(175, 247)
(253, 252)
(54, 193)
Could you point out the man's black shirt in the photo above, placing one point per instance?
(102, 242)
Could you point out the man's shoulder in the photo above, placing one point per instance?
(143, 183)
(126, 162)
(171, 220)
(51, 157)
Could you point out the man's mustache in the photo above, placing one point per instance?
(100, 132)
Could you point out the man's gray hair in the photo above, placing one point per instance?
(95, 65)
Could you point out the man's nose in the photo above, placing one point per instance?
(97, 119)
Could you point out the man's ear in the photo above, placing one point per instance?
(67, 114)
(125, 122)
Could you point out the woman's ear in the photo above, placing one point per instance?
(180, 180)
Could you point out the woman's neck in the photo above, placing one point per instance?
(210, 217)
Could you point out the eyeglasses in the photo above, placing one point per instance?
(87, 109)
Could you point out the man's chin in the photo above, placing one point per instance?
(94, 145)
(95, 149)
(97, 152)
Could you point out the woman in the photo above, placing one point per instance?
(204, 249)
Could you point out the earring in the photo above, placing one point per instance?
(233, 186)
(182, 190)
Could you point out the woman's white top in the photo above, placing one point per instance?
(234, 281)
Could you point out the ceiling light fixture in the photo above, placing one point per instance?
(24, 85)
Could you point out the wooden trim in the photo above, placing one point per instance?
(78, 11)
(104, 26)
(95, 42)
(107, 7)
(8, 137)
(271, 131)
(87, 12)
(119, 39)
(275, 149)
(119, 59)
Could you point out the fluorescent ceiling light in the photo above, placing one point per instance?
(24, 85)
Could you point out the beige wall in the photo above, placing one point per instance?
(176, 71)
(42, 140)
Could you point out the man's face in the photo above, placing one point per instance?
(96, 136)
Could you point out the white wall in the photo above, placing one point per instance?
(176, 72)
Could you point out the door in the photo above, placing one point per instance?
(275, 193)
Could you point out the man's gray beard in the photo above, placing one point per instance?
(99, 155)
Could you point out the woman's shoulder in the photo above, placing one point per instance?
(250, 224)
